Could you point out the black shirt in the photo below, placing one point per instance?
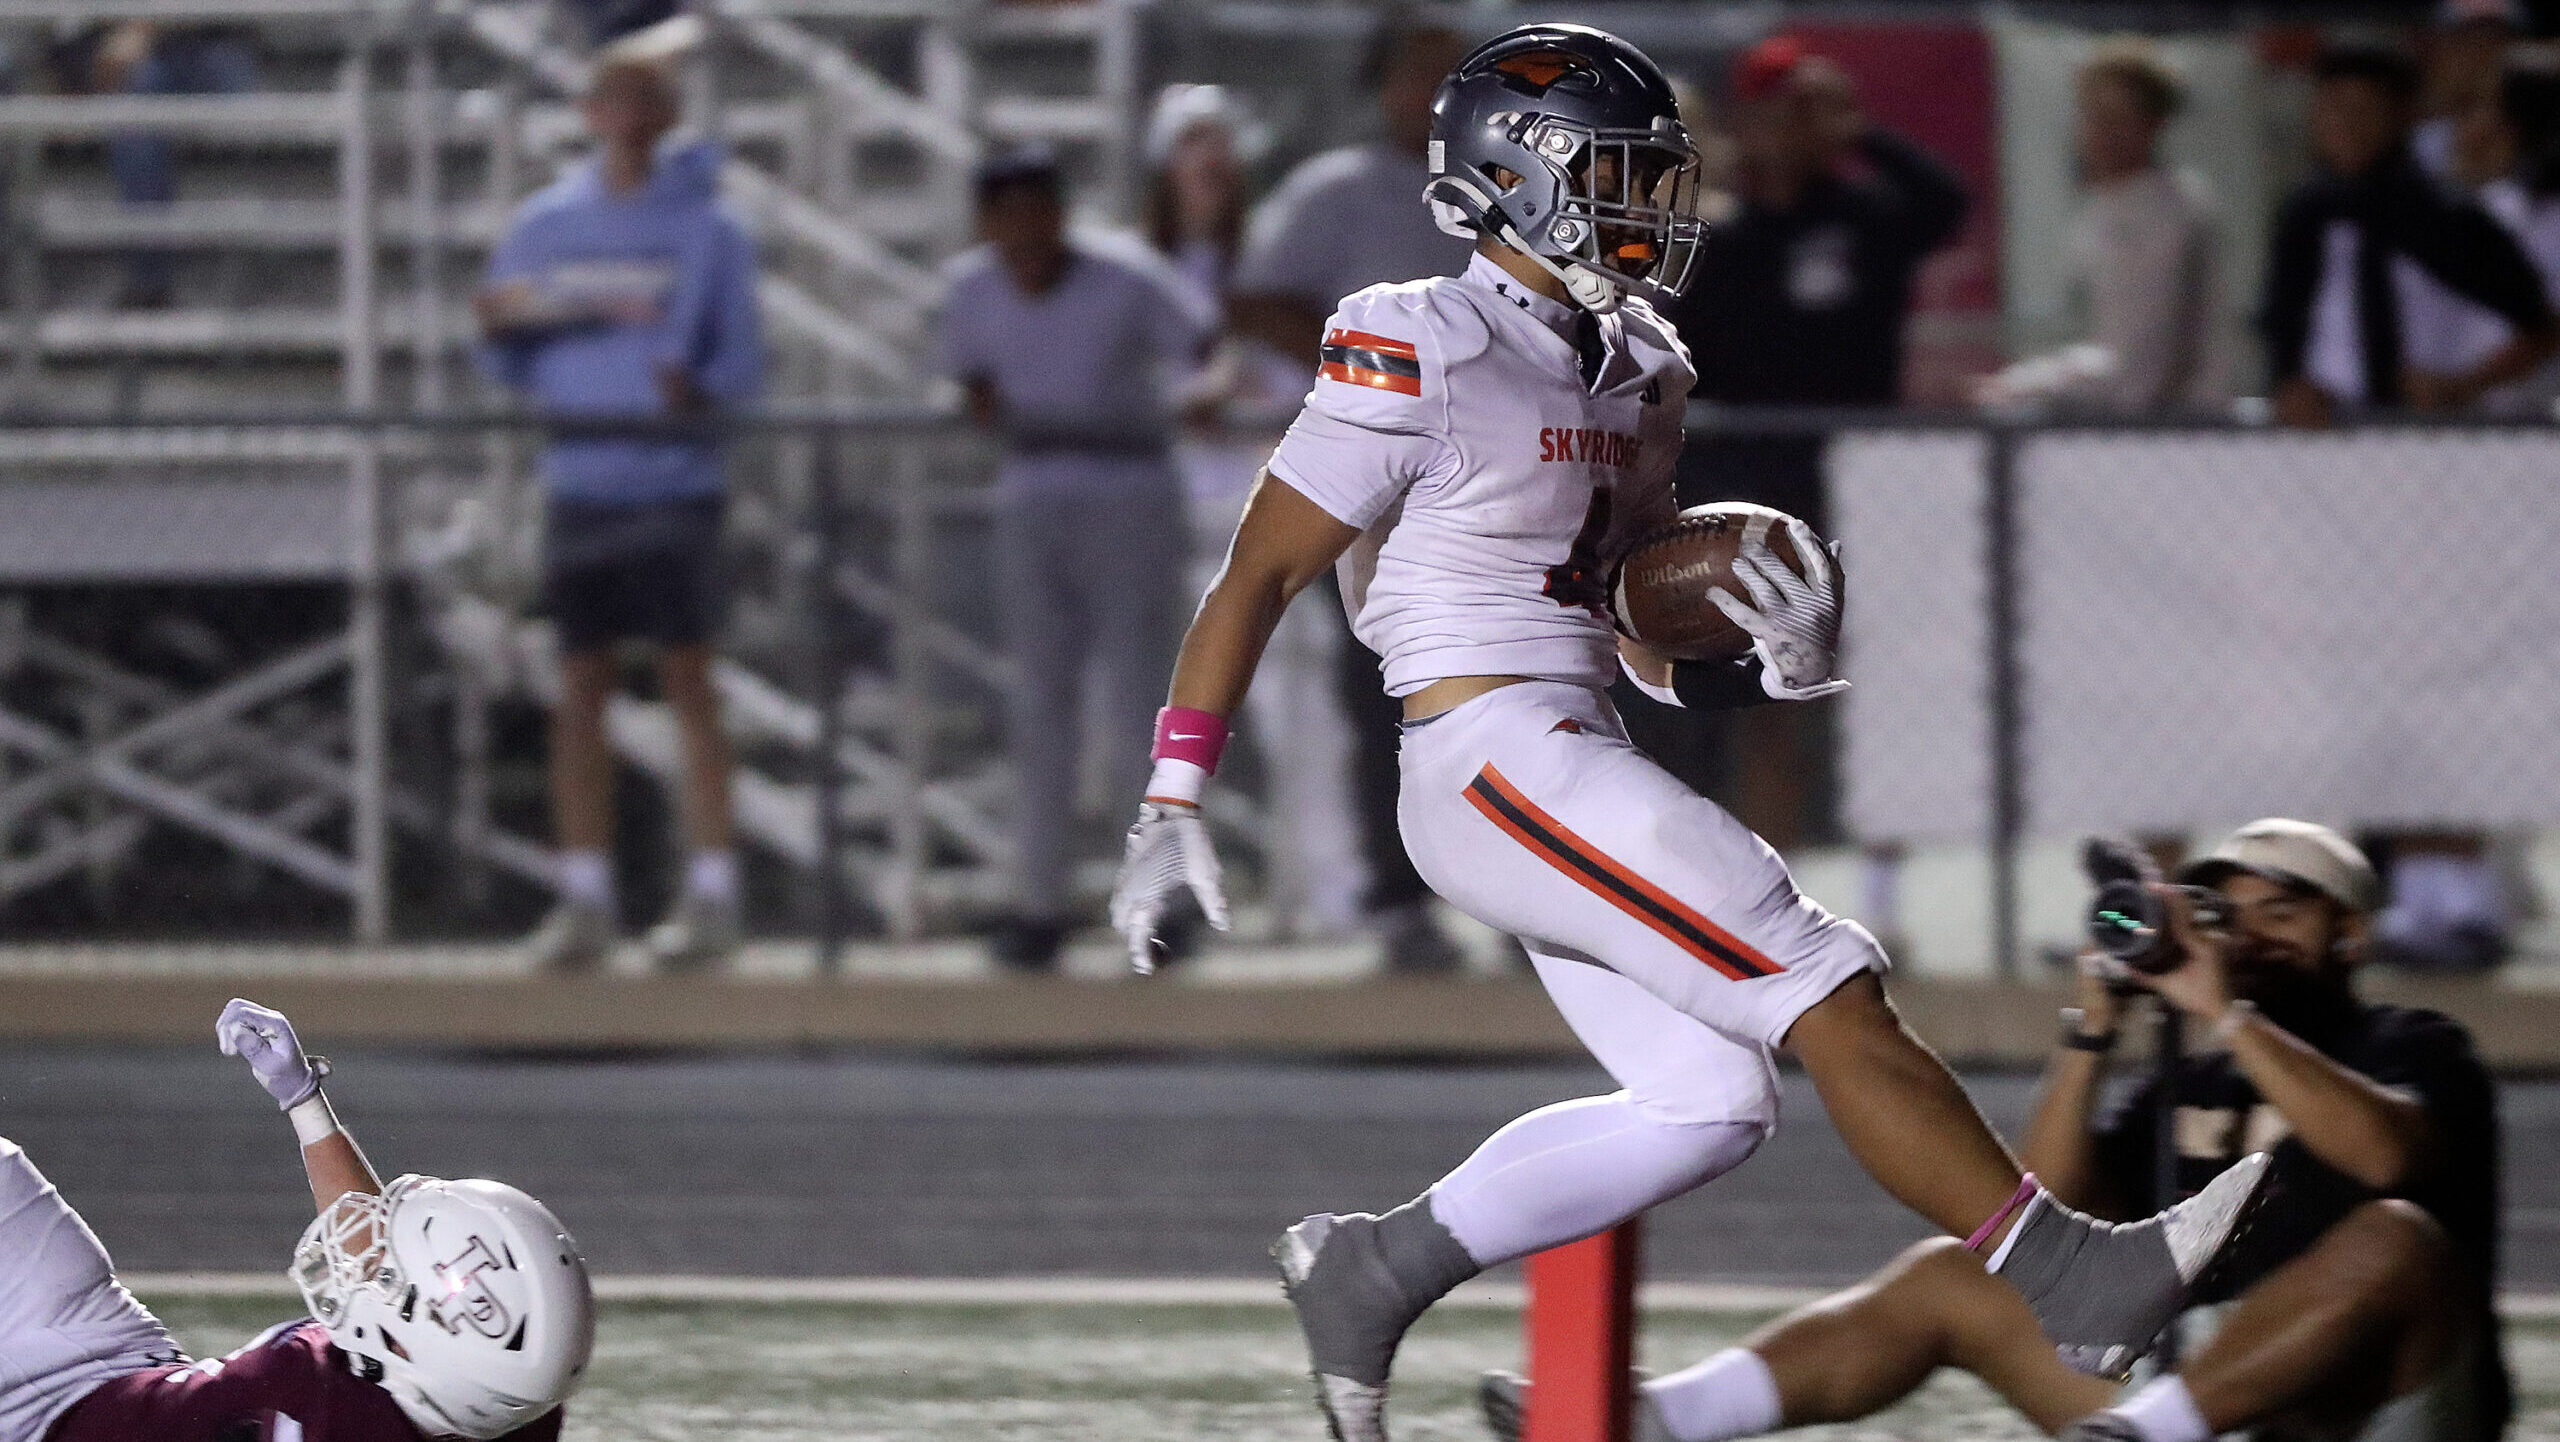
(1805, 307)
(2222, 1118)
(2395, 209)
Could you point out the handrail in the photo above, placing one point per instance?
(854, 249)
(316, 116)
(861, 89)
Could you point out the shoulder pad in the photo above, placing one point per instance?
(1398, 341)
(1656, 342)
(1380, 364)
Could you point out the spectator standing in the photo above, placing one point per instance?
(142, 57)
(2143, 256)
(625, 291)
(2351, 244)
(1199, 142)
(1341, 222)
(1798, 298)
(1066, 345)
(2510, 140)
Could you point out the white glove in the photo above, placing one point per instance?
(263, 1038)
(1168, 847)
(1793, 621)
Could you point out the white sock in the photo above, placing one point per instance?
(1567, 1171)
(586, 878)
(713, 874)
(1731, 1394)
(2164, 1411)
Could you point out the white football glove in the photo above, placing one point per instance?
(1793, 621)
(263, 1038)
(1168, 847)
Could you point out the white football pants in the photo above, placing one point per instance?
(66, 1324)
(1672, 939)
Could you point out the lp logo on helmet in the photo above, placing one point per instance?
(466, 1298)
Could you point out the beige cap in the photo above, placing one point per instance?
(2294, 853)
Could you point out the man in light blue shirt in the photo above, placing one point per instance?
(624, 292)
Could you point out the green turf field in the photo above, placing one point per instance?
(692, 1372)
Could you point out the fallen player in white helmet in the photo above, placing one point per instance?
(438, 1308)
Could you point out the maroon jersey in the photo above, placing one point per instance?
(289, 1385)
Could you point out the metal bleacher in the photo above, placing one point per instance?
(328, 229)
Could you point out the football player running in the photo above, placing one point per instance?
(1474, 453)
(438, 1308)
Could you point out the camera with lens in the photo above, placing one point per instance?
(2129, 918)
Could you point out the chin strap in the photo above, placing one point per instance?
(1592, 291)
(1470, 206)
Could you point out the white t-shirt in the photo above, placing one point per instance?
(1450, 424)
(2448, 333)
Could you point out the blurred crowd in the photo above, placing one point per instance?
(1135, 382)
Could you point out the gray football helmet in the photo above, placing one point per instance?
(1565, 143)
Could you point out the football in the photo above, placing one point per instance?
(1660, 594)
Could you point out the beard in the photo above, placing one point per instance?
(2292, 987)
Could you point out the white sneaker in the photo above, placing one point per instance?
(575, 938)
(700, 932)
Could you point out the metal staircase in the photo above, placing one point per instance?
(357, 197)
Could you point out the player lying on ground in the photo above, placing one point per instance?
(2363, 1304)
(438, 1309)
(1475, 450)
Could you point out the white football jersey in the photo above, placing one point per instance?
(1449, 422)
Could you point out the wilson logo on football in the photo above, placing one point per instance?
(1358, 358)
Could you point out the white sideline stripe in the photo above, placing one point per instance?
(1091, 1292)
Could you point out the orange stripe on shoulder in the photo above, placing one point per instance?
(1367, 341)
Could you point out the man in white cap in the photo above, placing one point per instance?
(2355, 1305)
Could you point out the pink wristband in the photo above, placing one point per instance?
(1186, 734)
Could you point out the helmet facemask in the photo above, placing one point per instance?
(1627, 204)
(344, 1257)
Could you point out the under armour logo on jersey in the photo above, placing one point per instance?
(1358, 358)
(1502, 288)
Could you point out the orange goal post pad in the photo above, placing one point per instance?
(1580, 1322)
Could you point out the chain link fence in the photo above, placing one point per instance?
(2057, 632)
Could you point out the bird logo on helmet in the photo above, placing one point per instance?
(1565, 144)
(466, 1300)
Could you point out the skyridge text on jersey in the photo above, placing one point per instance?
(1581, 443)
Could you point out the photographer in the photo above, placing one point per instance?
(2358, 1103)
(2355, 1304)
